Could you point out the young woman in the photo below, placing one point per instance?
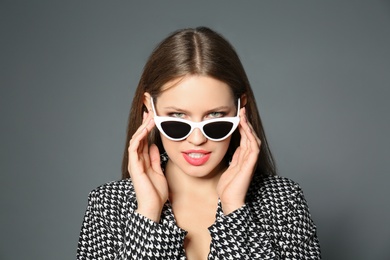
(195, 183)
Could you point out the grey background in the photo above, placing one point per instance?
(319, 69)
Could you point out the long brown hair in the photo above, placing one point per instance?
(198, 51)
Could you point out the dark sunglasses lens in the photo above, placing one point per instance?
(175, 130)
(217, 130)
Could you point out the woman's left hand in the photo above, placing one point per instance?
(234, 182)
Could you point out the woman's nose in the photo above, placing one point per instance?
(197, 137)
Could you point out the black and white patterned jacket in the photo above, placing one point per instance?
(275, 223)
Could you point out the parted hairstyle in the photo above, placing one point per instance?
(197, 51)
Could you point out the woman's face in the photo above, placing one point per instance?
(196, 98)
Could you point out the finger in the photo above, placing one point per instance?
(258, 141)
(145, 150)
(133, 151)
(143, 144)
(138, 144)
(155, 158)
(147, 125)
(254, 141)
(147, 117)
(136, 140)
(239, 154)
(243, 129)
(249, 142)
(251, 134)
(235, 157)
(253, 144)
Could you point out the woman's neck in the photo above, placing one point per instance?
(182, 184)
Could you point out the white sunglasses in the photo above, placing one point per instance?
(178, 129)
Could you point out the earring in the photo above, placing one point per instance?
(163, 160)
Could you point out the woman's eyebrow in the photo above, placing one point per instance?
(220, 108)
(173, 108)
(207, 111)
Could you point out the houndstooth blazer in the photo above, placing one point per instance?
(275, 223)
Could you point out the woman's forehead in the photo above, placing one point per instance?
(196, 88)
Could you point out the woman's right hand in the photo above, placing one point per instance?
(150, 184)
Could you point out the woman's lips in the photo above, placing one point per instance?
(196, 157)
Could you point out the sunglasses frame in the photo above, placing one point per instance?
(160, 119)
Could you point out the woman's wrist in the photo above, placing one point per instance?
(228, 208)
(150, 214)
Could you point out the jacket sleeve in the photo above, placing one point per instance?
(237, 236)
(147, 239)
(278, 228)
(100, 235)
(298, 238)
(113, 230)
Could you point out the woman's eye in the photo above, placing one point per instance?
(177, 114)
(216, 114)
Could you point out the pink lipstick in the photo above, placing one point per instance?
(196, 157)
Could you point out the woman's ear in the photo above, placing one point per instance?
(147, 101)
(243, 100)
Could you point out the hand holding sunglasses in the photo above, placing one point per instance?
(234, 182)
(150, 184)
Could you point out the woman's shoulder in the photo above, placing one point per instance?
(276, 191)
(274, 183)
(113, 193)
(114, 187)
(278, 184)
